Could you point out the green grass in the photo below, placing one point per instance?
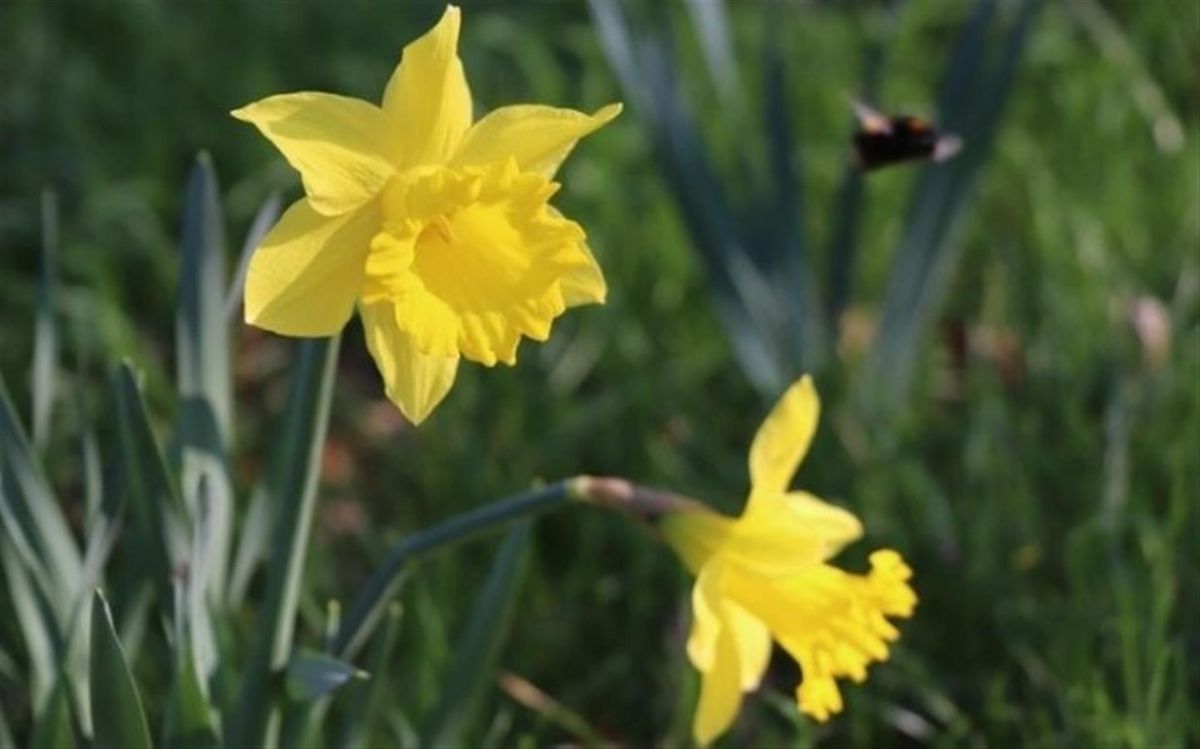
(1044, 485)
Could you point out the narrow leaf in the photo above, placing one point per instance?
(159, 517)
(312, 674)
(189, 720)
(30, 511)
(972, 100)
(268, 214)
(368, 699)
(52, 727)
(202, 350)
(39, 628)
(117, 714)
(252, 546)
(201, 329)
(45, 335)
(473, 669)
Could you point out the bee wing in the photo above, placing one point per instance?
(870, 120)
(947, 147)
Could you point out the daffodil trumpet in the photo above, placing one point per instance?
(436, 227)
(765, 576)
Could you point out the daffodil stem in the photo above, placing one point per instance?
(293, 489)
(373, 599)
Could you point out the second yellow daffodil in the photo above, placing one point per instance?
(765, 575)
(438, 228)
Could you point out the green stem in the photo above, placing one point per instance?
(372, 600)
(293, 487)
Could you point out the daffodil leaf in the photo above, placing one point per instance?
(52, 726)
(473, 668)
(268, 214)
(292, 492)
(118, 717)
(45, 336)
(367, 699)
(153, 498)
(972, 99)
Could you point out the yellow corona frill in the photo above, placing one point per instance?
(765, 576)
(439, 229)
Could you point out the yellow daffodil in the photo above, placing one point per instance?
(438, 228)
(765, 576)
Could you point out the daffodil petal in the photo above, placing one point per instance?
(720, 692)
(335, 142)
(306, 274)
(585, 283)
(802, 514)
(753, 641)
(539, 137)
(427, 99)
(783, 439)
(696, 535)
(706, 618)
(835, 525)
(414, 381)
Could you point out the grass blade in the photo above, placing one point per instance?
(118, 717)
(368, 698)
(45, 335)
(292, 492)
(473, 669)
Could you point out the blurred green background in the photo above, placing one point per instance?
(1041, 474)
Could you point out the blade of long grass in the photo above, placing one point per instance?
(118, 716)
(45, 334)
(268, 214)
(367, 699)
(292, 490)
(473, 669)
